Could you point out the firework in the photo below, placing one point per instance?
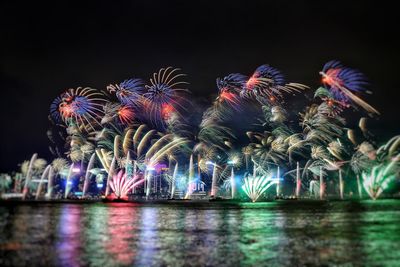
(268, 147)
(59, 164)
(121, 186)
(254, 187)
(390, 149)
(45, 173)
(88, 173)
(82, 106)
(232, 83)
(263, 82)
(145, 128)
(129, 92)
(229, 89)
(164, 94)
(379, 178)
(146, 147)
(319, 127)
(270, 84)
(278, 114)
(214, 180)
(333, 107)
(344, 82)
(212, 132)
(121, 114)
(68, 182)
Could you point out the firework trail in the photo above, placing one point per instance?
(28, 177)
(44, 174)
(87, 174)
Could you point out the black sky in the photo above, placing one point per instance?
(46, 48)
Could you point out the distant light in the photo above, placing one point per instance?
(150, 168)
(38, 181)
(69, 182)
(99, 185)
(78, 193)
(76, 170)
(233, 161)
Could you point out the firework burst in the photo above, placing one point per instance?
(164, 94)
(344, 82)
(254, 187)
(268, 84)
(229, 88)
(379, 178)
(82, 106)
(121, 185)
(123, 114)
(129, 92)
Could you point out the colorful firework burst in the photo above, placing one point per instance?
(121, 185)
(163, 95)
(82, 106)
(344, 82)
(229, 88)
(268, 84)
(129, 92)
(124, 114)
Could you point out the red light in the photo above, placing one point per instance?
(166, 111)
(251, 82)
(224, 95)
(66, 110)
(331, 76)
(125, 114)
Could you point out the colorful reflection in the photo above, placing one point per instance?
(68, 244)
(122, 232)
(250, 234)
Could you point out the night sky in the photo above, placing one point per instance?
(46, 48)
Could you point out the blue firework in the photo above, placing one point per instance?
(335, 76)
(232, 83)
(54, 109)
(343, 82)
(163, 94)
(267, 84)
(83, 106)
(273, 75)
(128, 92)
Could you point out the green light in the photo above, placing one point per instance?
(254, 187)
(378, 179)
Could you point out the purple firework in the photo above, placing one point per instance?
(344, 82)
(128, 92)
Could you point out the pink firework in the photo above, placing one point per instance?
(121, 185)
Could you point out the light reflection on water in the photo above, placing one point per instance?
(260, 234)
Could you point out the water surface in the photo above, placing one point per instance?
(210, 234)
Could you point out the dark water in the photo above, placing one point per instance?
(261, 234)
